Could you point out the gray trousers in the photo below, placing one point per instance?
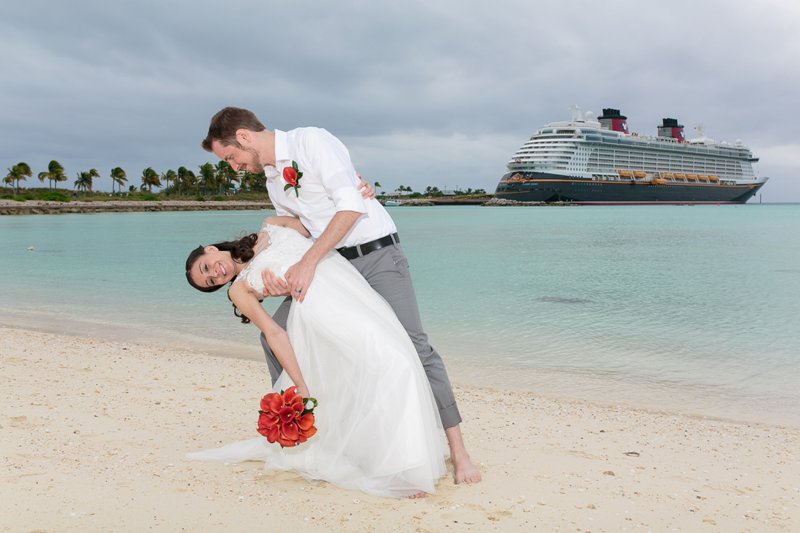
(387, 272)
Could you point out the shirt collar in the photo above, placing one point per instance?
(281, 146)
(281, 153)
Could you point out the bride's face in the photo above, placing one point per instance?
(213, 268)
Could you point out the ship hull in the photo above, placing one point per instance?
(551, 188)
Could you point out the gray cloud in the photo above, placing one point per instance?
(423, 93)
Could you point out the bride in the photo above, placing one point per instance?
(378, 428)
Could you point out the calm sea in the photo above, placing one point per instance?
(692, 308)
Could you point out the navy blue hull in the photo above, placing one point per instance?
(549, 188)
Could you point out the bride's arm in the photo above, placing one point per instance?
(288, 222)
(277, 338)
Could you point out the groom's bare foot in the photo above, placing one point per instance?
(463, 469)
(417, 495)
(465, 472)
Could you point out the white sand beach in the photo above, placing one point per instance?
(93, 436)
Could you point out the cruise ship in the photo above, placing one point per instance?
(597, 161)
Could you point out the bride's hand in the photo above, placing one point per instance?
(366, 190)
(303, 391)
(273, 285)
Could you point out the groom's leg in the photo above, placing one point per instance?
(387, 272)
(281, 316)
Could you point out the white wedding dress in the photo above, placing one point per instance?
(378, 429)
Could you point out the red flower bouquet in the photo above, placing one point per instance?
(285, 419)
(292, 175)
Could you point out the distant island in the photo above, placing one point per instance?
(214, 187)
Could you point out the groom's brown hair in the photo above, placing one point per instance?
(226, 122)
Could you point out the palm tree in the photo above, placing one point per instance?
(93, 173)
(20, 171)
(377, 186)
(186, 179)
(170, 177)
(402, 188)
(118, 177)
(208, 176)
(226, 176)
(54, 173)
(57, 173)
(252, 181)
(84, 181)
(150, 178)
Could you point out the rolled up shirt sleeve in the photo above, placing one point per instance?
(332, 160)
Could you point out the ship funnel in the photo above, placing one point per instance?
(612, 120)
(671, 129)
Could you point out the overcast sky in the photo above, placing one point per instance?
(440, 92)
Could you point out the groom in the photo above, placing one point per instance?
(310, 176)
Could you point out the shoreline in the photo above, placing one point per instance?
(95, 432)
(39, 207)
(546, 383)
(42, 207)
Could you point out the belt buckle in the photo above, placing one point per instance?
(358, 251)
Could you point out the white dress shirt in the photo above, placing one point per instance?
(329, 184)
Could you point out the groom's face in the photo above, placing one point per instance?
(239, 158)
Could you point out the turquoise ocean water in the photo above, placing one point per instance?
(690, 308)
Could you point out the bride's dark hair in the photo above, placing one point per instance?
(241, 251)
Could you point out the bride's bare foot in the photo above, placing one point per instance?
(463, 469)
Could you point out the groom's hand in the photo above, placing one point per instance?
(299, 277)
(273, 285)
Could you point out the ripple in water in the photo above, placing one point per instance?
(560, 300)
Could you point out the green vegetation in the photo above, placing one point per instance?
(210, 182)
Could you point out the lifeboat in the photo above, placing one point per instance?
(691, 177)
(713, 179)
(659, 181)
(680, 176)
(666, 175)
(702, 177)
(624, 173)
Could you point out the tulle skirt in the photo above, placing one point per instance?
(378, 427)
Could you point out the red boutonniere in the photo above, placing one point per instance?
(292, 175)
(285, 418)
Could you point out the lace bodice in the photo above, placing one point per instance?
(285, 248)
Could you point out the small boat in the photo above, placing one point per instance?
(392, 202)
(625, 173)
